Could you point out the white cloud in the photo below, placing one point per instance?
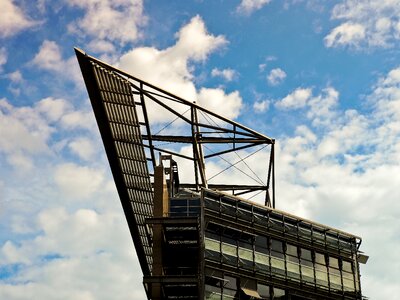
(170, 68)
(249, 6)
(83, 147)
(107, 21)
(13, 19)
(341, 171)
(22, 130)
(365, 24)
(3, 57)
(322, 107)
(83, 250)
(261, 106)
(216, 100)
(296, 99)
(77, 182)
(227, 74)
(26, 131)
(345, 34)
(53, 109)
(49, 58)
(276, 76)
(15, 77)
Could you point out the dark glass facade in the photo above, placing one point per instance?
(255, 252)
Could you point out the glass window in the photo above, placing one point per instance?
(261, 258)
(263, 290)
(261, 241)
(307, 273)
(306, 255)
(212, 292)
(230, 282)
(291, 250)
(348, 282)
(318, 237)
(333, 262)
(276, 248)
(278, 265)
(346, 266)
(279, 294)
(228, 249)
(211, 244)
(245, 254)
(321, 277)
(319, 258)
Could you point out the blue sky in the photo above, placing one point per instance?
(322, 77)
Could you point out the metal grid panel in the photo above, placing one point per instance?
(120, 108)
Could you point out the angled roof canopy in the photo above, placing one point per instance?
(138, 121)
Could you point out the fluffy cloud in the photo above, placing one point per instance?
(345, 34)
(107, 21)
(83, 147)
(26, 131)
(342, 172)
(249, 6)
(84, 259)
(171, 69)
(3, 57)
(365, 23)
(13, 19)
(276, 76)
(227, 105)
(49, 58)
(77, 182)
(261, 106)
(227, 74)
(15, 77)
(297, 99)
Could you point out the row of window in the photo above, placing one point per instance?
(230, 287)
(278, 222)
(284, 259)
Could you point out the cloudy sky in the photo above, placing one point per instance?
(322, 77)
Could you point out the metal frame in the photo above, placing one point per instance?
(124, 109)
(206, 129)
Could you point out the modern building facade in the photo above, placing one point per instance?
(201, 239)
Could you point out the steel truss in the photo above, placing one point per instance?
(139, 121)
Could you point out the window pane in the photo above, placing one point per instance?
(263, 290)
(307, 273)
(211, 244)
(261, 258)
(276, 246)
(306, 254)
(212, 292)
(346, 266)
(334, 262)
(279, 294)
(291, 250)
(293, 270)
(278, 264)
(228, 249)
(245, 254)
(322, 277)
(320, 258)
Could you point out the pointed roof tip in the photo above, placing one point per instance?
(79, 50)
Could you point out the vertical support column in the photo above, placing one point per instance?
(273, 173)
(197, 150)
(161, 208)
(271, 179)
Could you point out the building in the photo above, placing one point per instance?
(200, 239)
